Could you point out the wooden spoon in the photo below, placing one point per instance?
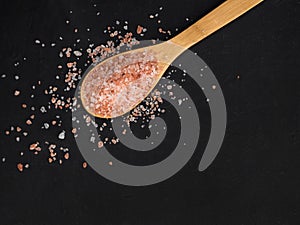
(119, 83)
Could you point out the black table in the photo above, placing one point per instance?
(253, 180)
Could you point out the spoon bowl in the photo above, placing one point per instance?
(119, 83)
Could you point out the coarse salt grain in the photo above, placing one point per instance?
(20, 167)
(17, 93)
(43, 109)
(46, 125)
(61, 135)
(100, 144)
(77, 53)
(169, 87)
(67, 156)
(139, 29)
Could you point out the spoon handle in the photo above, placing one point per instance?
(219, 17)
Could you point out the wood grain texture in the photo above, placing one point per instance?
(222, 15)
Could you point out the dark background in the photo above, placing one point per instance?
(255, 177)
